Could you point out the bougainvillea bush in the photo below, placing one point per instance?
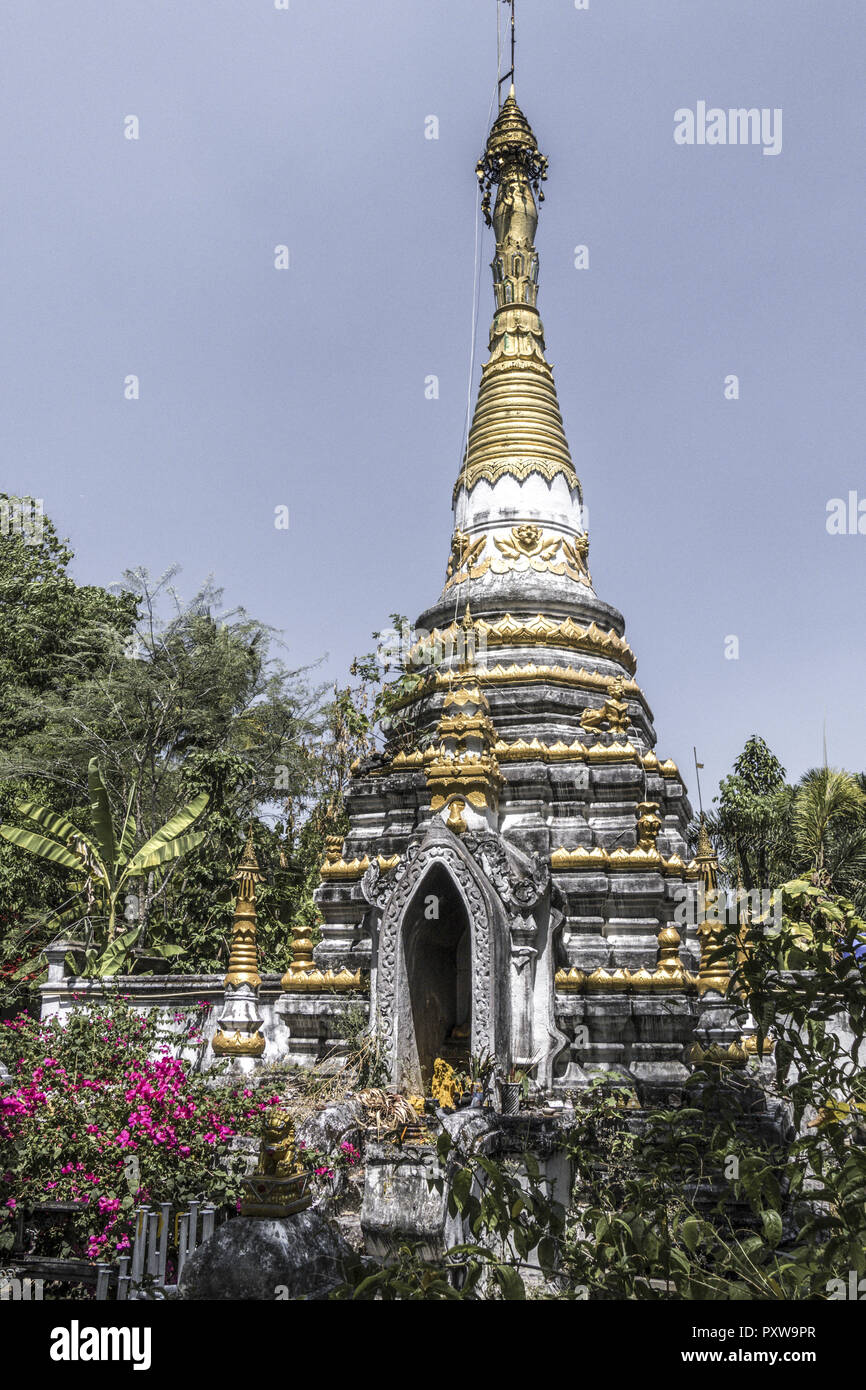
(103, 1111)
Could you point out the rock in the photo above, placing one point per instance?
(471, 1130)
(299, 1257)
(248, 1146)
(326, 1129)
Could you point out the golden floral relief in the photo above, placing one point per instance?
(526, 548)
(462, 563)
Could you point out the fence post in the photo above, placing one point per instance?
(139, 1248)
(123, 1278)
(181, 1245)
(208, 1217)
(103, 1274)
(152, 1223)
(193, 1227)
(165, 1208)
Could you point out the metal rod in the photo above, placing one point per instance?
(505, 76)
(698, 767)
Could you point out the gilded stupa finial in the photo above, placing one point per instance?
(512, 153)
(706, 860)
(517, 426)
(243, 959)
(238, 1034)
(714, 973)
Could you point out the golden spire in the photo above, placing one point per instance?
(705, 858)
(517, 427)
(243, 960)
(238, 1034)
(714, 973)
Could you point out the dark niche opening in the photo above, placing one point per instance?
(437, 951)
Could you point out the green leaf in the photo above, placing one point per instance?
(101, 812)
(53, 823)
(547, 1253)
(173, 827)
(128, 833)
(161, 854)
(114, 957)
(772, 1224)
(691, 1233)
(509, 1282)
(39, 845)
(460, 1187)
(28, 967)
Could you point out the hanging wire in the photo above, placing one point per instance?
(476, 295)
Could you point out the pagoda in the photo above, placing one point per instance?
(510, 880)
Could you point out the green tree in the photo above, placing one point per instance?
(751, 825)
(45, 617)
(767, 831)
(829, 829)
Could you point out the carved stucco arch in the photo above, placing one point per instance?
(390, 964)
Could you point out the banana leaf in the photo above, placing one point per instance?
(173, 827)
(101, 811)
(128, 833)
(161, 853)
(38, 844)
(114, 957)
(53, 823)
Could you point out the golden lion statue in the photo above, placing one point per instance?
(278, 1155)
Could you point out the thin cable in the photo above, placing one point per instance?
(476, 298)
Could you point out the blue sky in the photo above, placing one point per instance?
(305, 387)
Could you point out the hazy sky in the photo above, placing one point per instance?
(305, 387)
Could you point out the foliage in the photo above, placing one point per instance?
(103, 1110)
(751, 1186)
(364, 1052)
(767, 831)
(384, 706)
(507, 1214)
(174, 704)
(103, 866)
(45, 618)
(750, 824)
(176, 699)
(828, 823)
